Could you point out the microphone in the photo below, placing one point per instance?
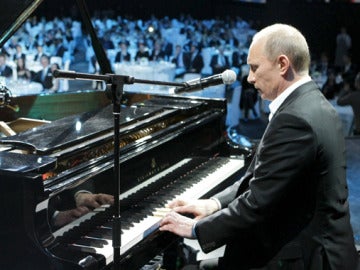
(227, 77)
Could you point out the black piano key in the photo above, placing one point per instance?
(101, 233)
(91, 242)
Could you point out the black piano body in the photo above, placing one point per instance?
(42, 168)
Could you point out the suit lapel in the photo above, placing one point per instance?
(309, 86)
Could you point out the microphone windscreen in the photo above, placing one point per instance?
(228, 76)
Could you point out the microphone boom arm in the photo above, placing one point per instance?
(110, 78)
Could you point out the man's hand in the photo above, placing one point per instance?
(64, 217)
(93, 200)
(197, 208)
(181, 225)
(178, 224)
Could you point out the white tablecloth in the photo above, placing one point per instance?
(155, 71)
(24, 88)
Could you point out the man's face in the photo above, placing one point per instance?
(44, 61)
(263, 73)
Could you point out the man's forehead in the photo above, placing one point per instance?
(255, 50)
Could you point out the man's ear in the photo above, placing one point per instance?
(284, 63)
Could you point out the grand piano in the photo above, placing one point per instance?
(169, 147)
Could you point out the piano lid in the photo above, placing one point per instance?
(16, 162)
(73, 129)
(13, 15)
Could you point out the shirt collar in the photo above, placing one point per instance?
(276, 103)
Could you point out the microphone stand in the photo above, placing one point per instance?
(116, 85)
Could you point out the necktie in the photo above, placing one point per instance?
(43, 76)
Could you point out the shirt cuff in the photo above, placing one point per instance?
(81, 191)
(217, 202)
(193, 232)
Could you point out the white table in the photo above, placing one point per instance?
(154, 71)
(24, 87)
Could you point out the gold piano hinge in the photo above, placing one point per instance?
(155, 170)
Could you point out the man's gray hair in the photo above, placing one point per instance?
(287, 40)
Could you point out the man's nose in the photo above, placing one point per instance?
(251, 78)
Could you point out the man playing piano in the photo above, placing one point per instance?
(290, 210)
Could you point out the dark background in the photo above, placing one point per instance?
(319, 21)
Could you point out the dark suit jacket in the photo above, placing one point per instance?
(47, 81)
(193, 65)
(60, 51)
(214, 64)
(127, 57)
(290, 209)
(7, 72)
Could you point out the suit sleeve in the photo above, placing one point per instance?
(284, 156)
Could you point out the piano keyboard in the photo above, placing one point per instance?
(143, 217)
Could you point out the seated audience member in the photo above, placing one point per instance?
(330, 88)
(350, 95)
(238, 58)
(348, 72)
(193, 59)
(39, 52)
(323, 65)
(60, 49)
(44, 76)
(248, 98)
(123, 55)
(142, 52)
(23, 73)
(19, 53)
(5, 70)
(219, 62)
(55, 81)
(178, 60)
(157, 53)
(167, 48)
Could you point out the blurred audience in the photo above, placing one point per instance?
(343, 46)
(142, 52)
(44, 76)
(193, 60)
(123, 54)
(5, 69)
(219, 62)
(331, 87)
(22, 71)
(350, 95)
(248, 99)
(178, 60)
(55, 81)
